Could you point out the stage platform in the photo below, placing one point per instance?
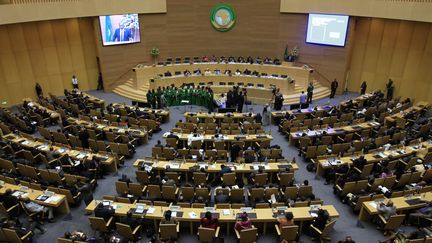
(259, 88)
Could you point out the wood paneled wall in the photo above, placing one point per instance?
(417, 10)
(39, 10)
(261, 30)
(48, 52)
(401, 50)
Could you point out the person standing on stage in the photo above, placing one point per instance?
(100, 82)
(310, 93)
(363, 87)
(390, 89)
(39, 91)
(229, 99)
(303, 98)
(333, 87)
(240, 102)
(74, 82)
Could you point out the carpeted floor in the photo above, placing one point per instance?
(346, 224)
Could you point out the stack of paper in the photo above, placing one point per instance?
(151, 210)
(192, 215)
(54, 198)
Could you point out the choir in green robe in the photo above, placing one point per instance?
(173, 96)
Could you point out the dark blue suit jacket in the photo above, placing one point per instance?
(126, 35)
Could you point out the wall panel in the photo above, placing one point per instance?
(185, 30)
(403, 54)
(47, 52)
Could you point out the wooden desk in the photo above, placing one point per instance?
(226, 138)
(53, 114)
(192, 215)
(271, 167)
(299, 74)
(323, 164)
(392, 119)
(163, 114)
(248, 138)
(45, 147)
(236, 116)
(369, 208)
(358, 100)
(98, 103)
(58, 201)
(294, 136)
(242, 169)
(141, 134)
(281, 114)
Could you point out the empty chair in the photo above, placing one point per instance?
(169, 193)
(208, 234)
(323, 234)
(229, 179)
(285, 179)
(247, 235)
(127, 232)
(200, 178)
(12, 236)
(99, 224)
(169, 232)
(393, 223)
(142, 177)
(288, 233)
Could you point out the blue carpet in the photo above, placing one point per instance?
(346, 224)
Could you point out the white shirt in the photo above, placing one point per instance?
(74, 81)
(192, 138)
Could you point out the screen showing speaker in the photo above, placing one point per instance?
(327, 29)
(119, 29)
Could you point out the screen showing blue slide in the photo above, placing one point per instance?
(327, 29)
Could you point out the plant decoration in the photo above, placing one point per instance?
(290, 80)
(292, 55)
(154, 52)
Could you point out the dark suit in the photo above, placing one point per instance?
(359, 163)
(334, 86)
(126, 35)
(9, 201)
(240, 102)
(84, 137)
(171, 135)
(222, 198)
(104, 212)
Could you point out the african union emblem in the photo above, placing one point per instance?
(222, 17)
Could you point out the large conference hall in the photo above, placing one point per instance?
(215, 121)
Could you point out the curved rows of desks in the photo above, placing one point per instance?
(420, 150)
(141, 134)
(186, 166)
(109, 161)
(57, 201)
(369, 208)
(191, 215)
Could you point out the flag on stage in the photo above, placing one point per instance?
(108, 29)
(286, 55)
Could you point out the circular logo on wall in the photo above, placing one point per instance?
(222, 17)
